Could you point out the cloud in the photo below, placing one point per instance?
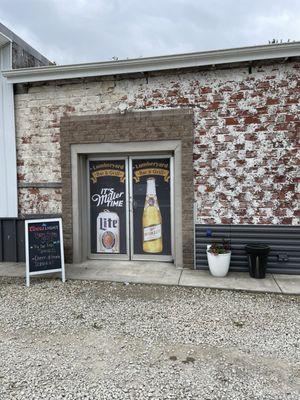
(73, 31)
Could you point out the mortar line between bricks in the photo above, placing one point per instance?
(277, 284)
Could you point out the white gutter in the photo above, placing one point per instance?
(215, 57)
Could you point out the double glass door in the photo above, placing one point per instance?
(130, 203)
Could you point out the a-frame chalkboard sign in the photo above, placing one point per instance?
(44, 247)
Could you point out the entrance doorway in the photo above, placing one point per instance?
(130, 207)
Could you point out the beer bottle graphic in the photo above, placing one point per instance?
(152, 222)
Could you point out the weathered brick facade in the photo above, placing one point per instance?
(246, 136)
(131, 127)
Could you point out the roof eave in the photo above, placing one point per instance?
(4, 40)
(217, 57)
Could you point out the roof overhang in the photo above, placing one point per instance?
(207, 58)
(4, 40)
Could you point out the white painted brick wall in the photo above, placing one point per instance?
(246, 136)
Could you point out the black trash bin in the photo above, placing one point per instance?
(257, 259)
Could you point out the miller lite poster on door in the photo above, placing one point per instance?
(151, 206)
(107, 182)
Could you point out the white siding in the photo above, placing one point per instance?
(8, 166)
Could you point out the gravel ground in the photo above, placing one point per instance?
(93, 340)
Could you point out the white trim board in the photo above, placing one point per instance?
(8, 163)
(147, 64)
(79, 206)
(4, 39)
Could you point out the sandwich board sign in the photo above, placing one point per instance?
(44, 247)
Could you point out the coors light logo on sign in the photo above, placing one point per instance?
(107, 206)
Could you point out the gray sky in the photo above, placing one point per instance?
(74, 31)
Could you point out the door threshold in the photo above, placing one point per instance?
(121, 263)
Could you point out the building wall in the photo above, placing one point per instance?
(132, 128)
(24, 57)
(246, 130)
(14, 53)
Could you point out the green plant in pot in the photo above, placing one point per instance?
(218, 256)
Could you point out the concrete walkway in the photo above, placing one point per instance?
(166, 274)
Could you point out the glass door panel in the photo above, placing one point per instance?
(108, 208)
(151, 208)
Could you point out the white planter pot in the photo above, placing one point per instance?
(218, 263)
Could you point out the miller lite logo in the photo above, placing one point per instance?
(108, 232)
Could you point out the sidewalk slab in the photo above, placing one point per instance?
(13, 269)
(122, 271)
(125, 271)
(233, 281)
(289, 284)
(161, 273)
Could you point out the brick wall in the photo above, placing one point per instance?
(131, 127)
(246, 131)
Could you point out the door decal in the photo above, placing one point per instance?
(151, 206)
(108, 208)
